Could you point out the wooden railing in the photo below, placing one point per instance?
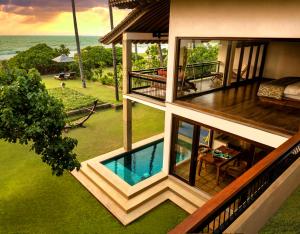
(223, 209)
(148, 85)
(201, 70)
(150, 82)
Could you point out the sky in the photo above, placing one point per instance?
(54, 17)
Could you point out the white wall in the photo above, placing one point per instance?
(235, 18)
(230, 18)
(227, 18)
(283, 59)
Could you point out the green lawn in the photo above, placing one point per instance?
(287, 218)
(34, 201)
(95, 89)
(72, 99)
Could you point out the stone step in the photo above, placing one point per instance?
(101, 196)
(132, 191)
(125, 203)
(193, 195)
(127, 209)
(127, 217)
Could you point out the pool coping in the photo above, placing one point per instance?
(123, 187)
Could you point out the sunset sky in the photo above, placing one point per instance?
(54, 17)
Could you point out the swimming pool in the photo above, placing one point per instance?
(138, 164)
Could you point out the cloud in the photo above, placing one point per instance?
(36, 11)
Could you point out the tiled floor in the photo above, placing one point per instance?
(207, 180)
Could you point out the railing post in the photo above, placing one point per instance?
(129, 83)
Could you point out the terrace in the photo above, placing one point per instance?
(228, 86)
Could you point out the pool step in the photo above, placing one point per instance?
(192, 195)
(128, 192)
(125, 203)
(128, 208)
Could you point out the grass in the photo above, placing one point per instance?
(71, 99)
(33, 201)
(95, 89)
(287, 218)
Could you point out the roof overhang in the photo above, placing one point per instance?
(130, 4)
(153, 18)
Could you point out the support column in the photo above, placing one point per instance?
(127, 104)
(127, 124)
(167, 142)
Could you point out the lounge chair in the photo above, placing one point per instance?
(70, 76)
(60, 76)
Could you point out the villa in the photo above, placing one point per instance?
(229, 154)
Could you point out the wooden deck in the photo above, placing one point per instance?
(242, 105)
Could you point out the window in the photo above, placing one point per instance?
(205, 65)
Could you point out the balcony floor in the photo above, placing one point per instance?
(242, 105)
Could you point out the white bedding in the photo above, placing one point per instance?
(295, 97)
(293, 90)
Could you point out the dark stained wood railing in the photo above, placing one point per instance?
(152, 82)
(223, 209)
(149, 85)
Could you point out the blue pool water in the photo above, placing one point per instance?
(139, 164)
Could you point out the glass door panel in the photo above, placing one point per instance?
(182, 150)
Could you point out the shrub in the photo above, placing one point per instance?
(107, 79)
(39, 57)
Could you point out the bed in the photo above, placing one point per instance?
(284, 91)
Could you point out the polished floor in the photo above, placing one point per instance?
(242, 105)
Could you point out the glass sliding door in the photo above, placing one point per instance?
(183, 161)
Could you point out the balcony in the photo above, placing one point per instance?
(152, 82)
(149, 83)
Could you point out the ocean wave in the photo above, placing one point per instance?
(7, 52)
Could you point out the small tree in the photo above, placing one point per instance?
(29, 115)
(62, 49)
(204, 52)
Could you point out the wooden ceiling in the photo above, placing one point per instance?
(151, 19)
(130, 4)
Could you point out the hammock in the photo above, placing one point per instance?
(81, 121)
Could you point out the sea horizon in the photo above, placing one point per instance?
(10, 45)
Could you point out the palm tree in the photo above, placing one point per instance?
(114, 53)
(160, 55)
(78, 45)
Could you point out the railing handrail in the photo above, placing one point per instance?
(201, 215)
(154, 78)
(188, 66)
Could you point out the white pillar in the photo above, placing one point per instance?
(127, 105)
(171, 70)
(167, 142)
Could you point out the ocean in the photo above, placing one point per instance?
(10, 45)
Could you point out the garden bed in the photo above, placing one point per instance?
(72, 99)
